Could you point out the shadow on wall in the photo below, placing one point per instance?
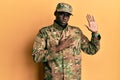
(36, 69)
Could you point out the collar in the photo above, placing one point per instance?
(57, 26)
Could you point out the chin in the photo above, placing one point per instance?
(64, 23)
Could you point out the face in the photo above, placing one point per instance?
(62, 17)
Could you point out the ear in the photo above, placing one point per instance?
(55, 13)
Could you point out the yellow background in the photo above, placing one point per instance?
(20, 21)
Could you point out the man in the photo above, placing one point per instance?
(59, 45)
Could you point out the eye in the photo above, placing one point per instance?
(64, 14)
(61, 13)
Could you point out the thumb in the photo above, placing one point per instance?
(86, 26)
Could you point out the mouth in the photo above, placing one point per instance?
(64, 21)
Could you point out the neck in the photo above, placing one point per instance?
(63, 26)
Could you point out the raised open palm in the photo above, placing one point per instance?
(92, 26)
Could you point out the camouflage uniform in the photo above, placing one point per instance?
(65, 64)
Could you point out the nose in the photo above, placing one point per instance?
(65, 16)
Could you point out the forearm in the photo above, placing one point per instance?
(91, 47)
(48, 54)
(96, 39)
(43, 55)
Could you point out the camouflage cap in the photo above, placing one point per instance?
(64, 7)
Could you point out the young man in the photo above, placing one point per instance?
(59, 45)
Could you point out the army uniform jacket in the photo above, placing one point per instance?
(65, 64)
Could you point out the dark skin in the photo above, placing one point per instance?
(62, 19)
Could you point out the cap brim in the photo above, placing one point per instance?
(64, 11)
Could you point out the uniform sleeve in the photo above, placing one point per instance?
(40, 52)
(90, 47)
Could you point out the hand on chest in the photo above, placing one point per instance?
(56, 36)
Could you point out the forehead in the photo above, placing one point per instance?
(66, 13)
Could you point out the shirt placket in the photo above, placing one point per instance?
(64, 36)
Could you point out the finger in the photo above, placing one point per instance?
(70, 43)
(89, 18)
(88, 27)
(93, 18)
(69, 37)
(65, 40)
(62, 38)
(70, 40)
(67, 44)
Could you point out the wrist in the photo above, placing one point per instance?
(96, 32)
(96, 35)
(55, 49)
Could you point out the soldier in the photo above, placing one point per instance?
(59, 45)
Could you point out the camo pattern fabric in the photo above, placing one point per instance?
(65, 64)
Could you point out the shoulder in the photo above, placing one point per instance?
(45, 28)
(75, 29)
(44, 31)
